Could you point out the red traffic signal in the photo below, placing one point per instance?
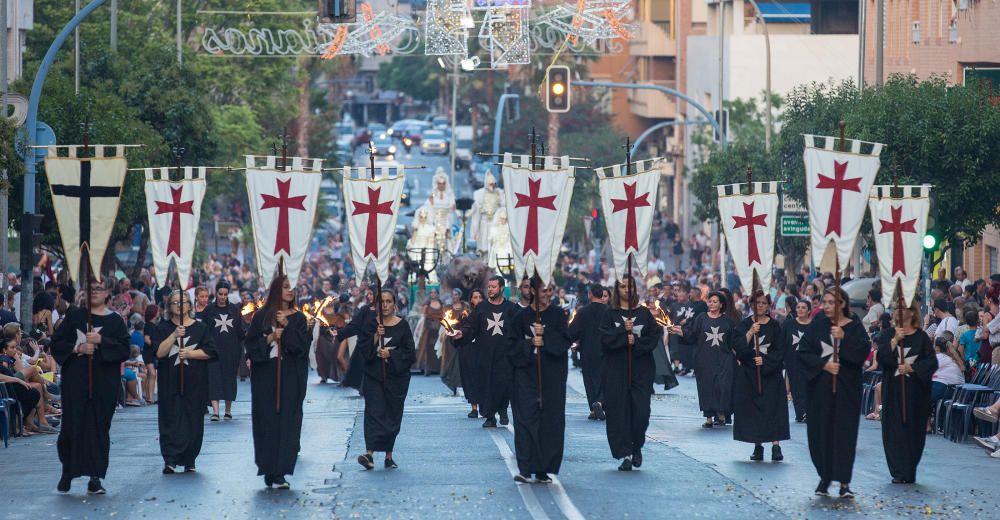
(593, 213)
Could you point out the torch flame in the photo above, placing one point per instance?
(248, 309)
(572, 316)
(449, 320)
(661, 317)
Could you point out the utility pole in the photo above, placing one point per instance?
(76, 57)
(4, 221)
(180, 56)
(879, 40)
(862, 38)
(454, 118)
(722, 134)
(553, 137)
(114, 26)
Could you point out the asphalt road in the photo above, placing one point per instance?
(450, 467)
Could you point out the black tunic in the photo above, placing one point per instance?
(458, 361)
(539, 427)
(84, 441)
(759, 417)
(181, 414)
(356, 363)
(833, 417)
(681, 314)
(792, 333)
(713, 340)
(226, 328)
(276, 433)
(585, 331)
(487, 327)
(384, 398)
(626, 400)
(904, 442)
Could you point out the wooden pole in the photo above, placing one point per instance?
(836, 280)
(378, 319)
(281, 302)
(755, 285)
(85, 258)
(536, 286)
(631, 294)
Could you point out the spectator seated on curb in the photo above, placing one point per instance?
(132, 374)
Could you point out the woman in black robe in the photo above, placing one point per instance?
(628, 336)
(277, 344)
(712, 335)
(792, 332)
(904, 440)
(388, 350)
(183, 354)
(451, 352)
(226, 328)
(472, 359)
(834, 415)
(760, 401)
(539, 336)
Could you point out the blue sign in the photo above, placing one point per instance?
(44, 136)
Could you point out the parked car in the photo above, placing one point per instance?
(434, 142)
(384, 145)
(440, 122)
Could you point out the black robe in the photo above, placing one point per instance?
(487, 327)
(834, 417)
(84, 441)
(681, 314)
(714, 364)
(585, 331)
(759, 417)
(539, 428)
(225, 325)
(626, 400)
(356, 363)
(792, 333)
(276, 434)
(904, 442)
(385, 395)
(181, 415)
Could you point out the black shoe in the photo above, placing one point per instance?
(637, 458)
(523, 479)
(490, 423)
(322, 381)
(169, 469)
(94, 487)
(281, 483)
(626, 465)
(473, 414)
(592, 416)
(543, 478)
(758, 453)
(504, 420)
(845, 491)
(898, 481)
(718, 422)
(366, 461)
(390, 464)
(64, 484)
(823, 488)
(776, 454)
(707, 424)
(268, 481)
(190, 469)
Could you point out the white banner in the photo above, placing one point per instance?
(372, 207)
(837, 185)
(749, 222)
(899, 225)
(537, 208)
(283, 210)
(174, 211)
(628, 204)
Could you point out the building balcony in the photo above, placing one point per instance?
(653, 39)
(653, 104)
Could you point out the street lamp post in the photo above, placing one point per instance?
(767, 84)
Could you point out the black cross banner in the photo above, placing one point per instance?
(85, 192)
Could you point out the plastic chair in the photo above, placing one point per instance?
(968, 397)
(4, 427)
(12, 410)
(872, 379)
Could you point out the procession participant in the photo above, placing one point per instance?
(792, 331)
(473, 376)
(539, 350)
(834, 415)
(360, 321)
(760, 403)
(447, 350)
(277, 344)
(584, 330)
(327, 344)
(712, 335)
(388, 351)
(184, 353)
(226, 329)
(628, 335)
(903, 438)
(681, 310)
(90, 352)
(485, 327)
(427, 359)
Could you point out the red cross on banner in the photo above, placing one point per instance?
(897, 227)
(750, 221)
(838, 183)
(629, 204)
(283, 203)
(175, 208)
(373, 208)
(533, 202)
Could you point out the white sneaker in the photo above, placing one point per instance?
(990, 443)
(995, 454)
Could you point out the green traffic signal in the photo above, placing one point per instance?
(930, 242)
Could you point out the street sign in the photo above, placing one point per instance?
(44, 136)
(795, 225)
(790, 205)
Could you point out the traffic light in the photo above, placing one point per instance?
(557, 89)
(597, 226)
(30, 237)
(931, 241)
(338, 11)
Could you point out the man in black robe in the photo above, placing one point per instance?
(539, 343)
(584, 331)
(681, 312)
(226, 328)
(90, 353)
(487, 327)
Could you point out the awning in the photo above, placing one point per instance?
(774, 12)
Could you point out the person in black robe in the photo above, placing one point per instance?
(277, 344)
(834, 416)
(628, 336)
(388, 350)
(792, 331)
(183, 381)
(681, 312)
(584, 330)
(361, 321)
(904, 440)
(760, 411)
(226, 328)
(539, 338)
(454, 357)
(472, 358)
(713, 337)
(90, 355)
(485, 326)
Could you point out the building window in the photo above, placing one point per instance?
(992, 252)
(916, 32)
(953, 32)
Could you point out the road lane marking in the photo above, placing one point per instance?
(527, 493)
(559, 494)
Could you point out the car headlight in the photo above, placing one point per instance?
(392, 149)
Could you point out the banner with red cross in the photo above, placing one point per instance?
(837, 186)
(283, 200)
(538, 202)
(749, 222)
(899, 224)
(174, 211)
(628, 202)
(372, 206)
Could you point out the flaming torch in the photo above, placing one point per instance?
(661, 317)
(449, 321)
(252, 307)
